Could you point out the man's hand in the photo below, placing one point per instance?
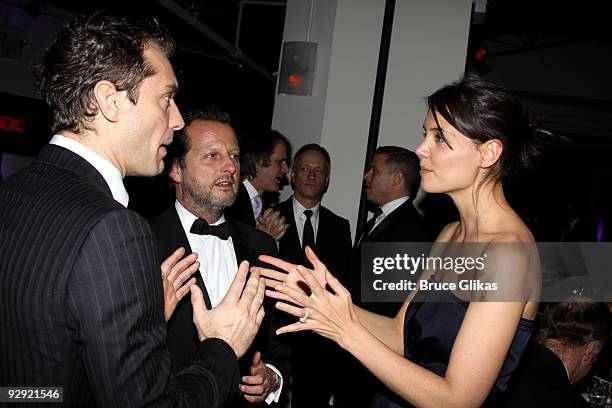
(262, 381)
(175, 271)
(273, 223)
(237, 318)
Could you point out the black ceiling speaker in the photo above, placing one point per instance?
(297, 68)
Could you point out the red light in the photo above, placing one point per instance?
(294, 80)
(480, 54)
(11, 124)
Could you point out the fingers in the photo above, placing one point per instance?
(169, 262)
(279, 263)
(275, 276)
(294, 327)
(253, 399)
(250, 292)
(278, 296)
(183, 270)
(233, 294)
(197, 299)
(310, 280)
(336, 286)
(314, 260)
(292, 310)
(255, 361)
(258, 299)
(183, 290)
(260, 316)
(295, 296)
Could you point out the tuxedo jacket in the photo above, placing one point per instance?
(241, 210)
(248, 244)
(543, 382)
(81, 296)
(332, 244)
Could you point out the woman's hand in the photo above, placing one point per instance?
(291, 277)
(331, 315)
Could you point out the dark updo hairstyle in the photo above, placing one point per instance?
(483, 111)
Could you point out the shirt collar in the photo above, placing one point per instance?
(299, 208)
(393, 205)
(250, 189)
(110, 173)
(187, 218)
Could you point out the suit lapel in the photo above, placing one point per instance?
(176, 235)
(389, 219)
(239, 242)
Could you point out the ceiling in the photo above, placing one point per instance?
(241, 79)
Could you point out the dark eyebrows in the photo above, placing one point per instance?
(172, 89)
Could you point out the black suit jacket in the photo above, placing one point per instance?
(332, 245)
(313, 358)
(543, 382)
(248, 244)
(81, 296)
(241, 210)
(404, 224)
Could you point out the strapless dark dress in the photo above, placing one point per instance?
(430, 329)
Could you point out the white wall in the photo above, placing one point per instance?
(428, 49)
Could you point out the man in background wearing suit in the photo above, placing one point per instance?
(391, 183)
(82, 303)
(204, 166)
(329, 235)
(264, 163)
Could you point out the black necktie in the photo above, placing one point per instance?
(308, 236)
(370, 224)
(201, 227)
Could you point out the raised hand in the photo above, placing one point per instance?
(292, 276)
(260, 383)
(331, 315)
(273, 223)
(175, 272)
(237, 318)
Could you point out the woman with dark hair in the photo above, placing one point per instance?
(451, 347)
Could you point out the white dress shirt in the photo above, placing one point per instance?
(388, 209)
(252, 194)
(216, 256)
(109, 172)
(300, 218)
(218, 267)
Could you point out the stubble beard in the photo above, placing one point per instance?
(204, 200)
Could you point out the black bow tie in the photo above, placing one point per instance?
(201, 227)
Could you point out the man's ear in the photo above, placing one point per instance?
(490, 151)
(175, 173)
(591, 347)
(108, 100)
(397, 178)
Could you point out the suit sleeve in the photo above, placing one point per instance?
(116, 310)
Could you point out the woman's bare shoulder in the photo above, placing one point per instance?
(448, 232)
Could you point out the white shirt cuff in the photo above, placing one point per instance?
(275, 395)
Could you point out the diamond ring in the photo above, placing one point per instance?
(304, 318)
